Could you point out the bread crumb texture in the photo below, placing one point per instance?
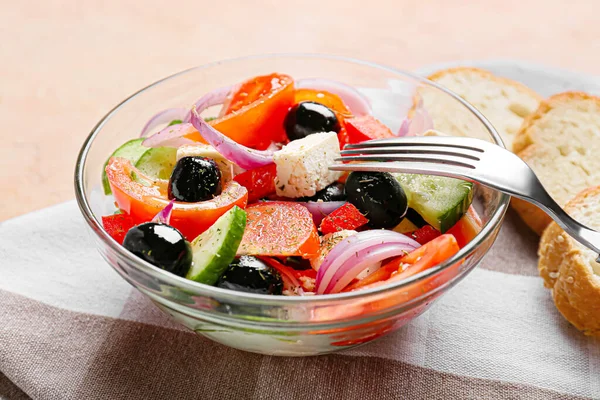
(561, 143)
(504, 102)
(570, 270)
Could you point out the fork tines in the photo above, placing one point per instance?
(447, 156)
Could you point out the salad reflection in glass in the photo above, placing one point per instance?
(245, 201)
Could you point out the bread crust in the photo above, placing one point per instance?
(565, 267)
(527, 147)
(486, 74)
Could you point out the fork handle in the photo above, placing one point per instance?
(578, 231)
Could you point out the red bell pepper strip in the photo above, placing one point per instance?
(367, 127)
(425, 234)
(345, 217)
(117, 226)
(260, 182)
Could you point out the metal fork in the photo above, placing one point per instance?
(465, 158)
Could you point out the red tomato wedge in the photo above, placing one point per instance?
(142, 198)
(360, 129)
(254, 114)
(345, 217)
(117, 226)
(466, 228)
(279, 228)
(260, 182)
(426, 256)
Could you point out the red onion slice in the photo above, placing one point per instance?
(355, 253)
(241, 155)
(171, 136)
(419, 123)
(163, 117)
(321, 209)
(164, 216)
(357, 103)
(213, 98)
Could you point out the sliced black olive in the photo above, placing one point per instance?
(160, 245)
(333, 192)
(249, 274)
(379, 196)
(195, 179)
(309, 117)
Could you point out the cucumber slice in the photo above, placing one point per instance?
(158, 162)
(131, 150)
(216, 248)
(439, 200)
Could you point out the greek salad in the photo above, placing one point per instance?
(245, 200)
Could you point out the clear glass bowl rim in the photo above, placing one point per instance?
(199, 289)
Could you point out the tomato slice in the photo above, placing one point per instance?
(142, 198)
(117, 226)
(467, 227)
(279, 228)
(360, 129)
(426, 256)
(254, 114)
(260, 181)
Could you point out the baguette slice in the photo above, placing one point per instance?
(570, 270)
(504, 102)
(561, 143)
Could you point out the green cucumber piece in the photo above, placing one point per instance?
(131, 150)
(441, 201)
(158, 162)
(216, 248)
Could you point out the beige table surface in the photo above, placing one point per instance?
(64, 64)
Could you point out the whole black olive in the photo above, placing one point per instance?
(160, 245)
(333, 192)
(249, 274)
(308, 117)
(195, 179)
(379, 196)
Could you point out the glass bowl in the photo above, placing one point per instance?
(280, 325)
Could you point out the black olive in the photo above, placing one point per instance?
(249, 274)
(160, 245)
(333, 192)
(308, 117)
(379, 196)
(195, 179)
(415, 218)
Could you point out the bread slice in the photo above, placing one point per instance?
(504, 102)
(570, 269)
(561, 143)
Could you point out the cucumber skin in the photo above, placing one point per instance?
(453, 215)
(124, 151)
(440, 221)
(210, 274)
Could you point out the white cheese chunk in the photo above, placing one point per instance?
(227, 168)
(303, 165)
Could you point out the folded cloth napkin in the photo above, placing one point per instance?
(71, 328)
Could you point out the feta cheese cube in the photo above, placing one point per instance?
(302, 165)
(227, 168)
